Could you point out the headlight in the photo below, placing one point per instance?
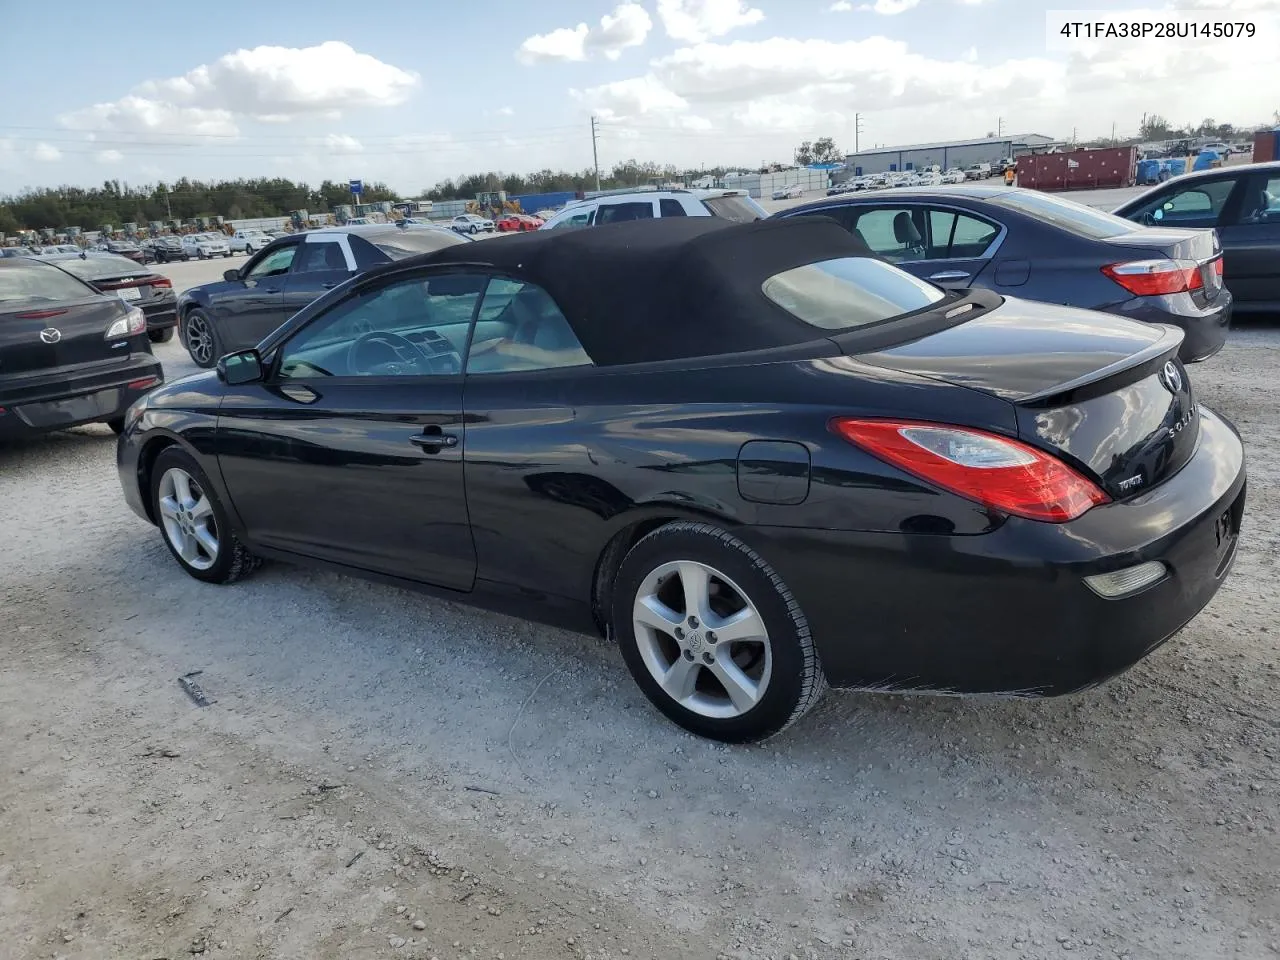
(130, 325)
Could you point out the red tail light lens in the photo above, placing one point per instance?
(162, 282)
(995, 471)
(39, 314)
(1217, 266)
(1153, 278)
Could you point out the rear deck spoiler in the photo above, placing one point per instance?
(1135, 365)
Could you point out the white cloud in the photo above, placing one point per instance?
(840, 6)
(46, 153)
(637, 97)
(695, 21)
(627, 26)
(341, 143)
(506, 112)
(108, 156)
(273, 84)
(891, 8)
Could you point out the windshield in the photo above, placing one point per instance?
(100, 267)
(24, 280)
(398, 244)
(1067, 214)
(739, 209)
(849, 292)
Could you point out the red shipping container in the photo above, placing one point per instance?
(1079, 169)
(1266, 146)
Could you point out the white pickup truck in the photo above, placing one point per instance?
(977, 171)
(248, 241)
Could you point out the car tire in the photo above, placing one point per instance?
(227, 254)
(160, 336)
(474, 228)
(206, 347)
(117, 425)
(248, 250)
(772, 666)
(193, 522)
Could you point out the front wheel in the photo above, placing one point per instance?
(193, 521)
(201, 338)
(248, 250)
(474, 228)
(713, 636)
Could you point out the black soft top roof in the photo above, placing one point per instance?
(667, 289)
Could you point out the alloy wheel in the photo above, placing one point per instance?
(186, 514)
(702, 639)
(199, 339)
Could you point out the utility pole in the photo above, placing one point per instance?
(168, 211)
(857, 130)
(999, 127)
(595, 153)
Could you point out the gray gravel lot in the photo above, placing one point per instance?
(383, 774)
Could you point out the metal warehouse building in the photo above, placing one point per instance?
(958, 153)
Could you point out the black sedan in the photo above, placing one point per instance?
(286, 275)
(68, 353)
(1242, 203)
(758, 456)
(1039, 246)
(149, 291)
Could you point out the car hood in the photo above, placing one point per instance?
(207, 291)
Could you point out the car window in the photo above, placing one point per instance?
(955, 236)
(895, 233)
(670, 207)
(580, 219)
(520, 328)
(399, 243)
(412, 328)
(1067, 214)
(274, 263)
(1199, 203)
(737, 208)
(28, 280)
(617, 212)
(315, 257)
(1262, 200)
(100, 266)
(849, 292)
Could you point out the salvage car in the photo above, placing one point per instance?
(471, 223)
(516, 223)
(1044, 247)
(286, 275)
(150, 292)
(746, 452)
(69, 354)
(1241, 203)
(735, 205)
(205, 246)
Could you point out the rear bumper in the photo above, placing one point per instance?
(1009, 612)
(1205, 329)
(57, 400)
(161, 316)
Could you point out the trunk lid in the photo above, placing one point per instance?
(76, 328)
(1106, 395)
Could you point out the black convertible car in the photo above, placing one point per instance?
(760, 457)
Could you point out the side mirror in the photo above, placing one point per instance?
(230, 275)
(242, 367)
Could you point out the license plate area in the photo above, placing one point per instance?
(130, 293)
(1226, 532)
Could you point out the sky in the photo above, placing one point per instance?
(410, 92)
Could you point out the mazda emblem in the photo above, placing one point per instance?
(50, 334)
(1171, 376)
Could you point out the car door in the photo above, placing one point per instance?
(351, 448)
(582, 216)
(251, 306)
(959, 245)
(1198, 203)
(1250, 234)
(323, 261)
(527, 474)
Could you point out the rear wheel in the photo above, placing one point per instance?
(116, 425)
(161, 336)
(193, 522)
(713, 636)
(201, 338)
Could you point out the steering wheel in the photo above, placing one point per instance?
(400, 355)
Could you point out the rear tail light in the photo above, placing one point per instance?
(995, 471)
(144, 383)
(130, 325)
(1217, 266)
(1153, 278)
(39, 314)
(162, 282)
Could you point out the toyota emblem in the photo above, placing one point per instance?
(50, 334)
(1172, 377)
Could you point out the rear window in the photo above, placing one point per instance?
(398, 244)
(849, 292)
(1067, 214)
(25, 280)
(739, 209)
(100, 267)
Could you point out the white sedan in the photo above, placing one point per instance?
(204, 246)
(248, 241)
(793, 192)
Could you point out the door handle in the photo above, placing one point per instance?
(432, 439)
(946, 275)
(270, 289)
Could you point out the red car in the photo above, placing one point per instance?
(517, 222)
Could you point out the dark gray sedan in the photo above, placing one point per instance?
(1039, 246)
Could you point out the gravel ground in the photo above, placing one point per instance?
(385, 775)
